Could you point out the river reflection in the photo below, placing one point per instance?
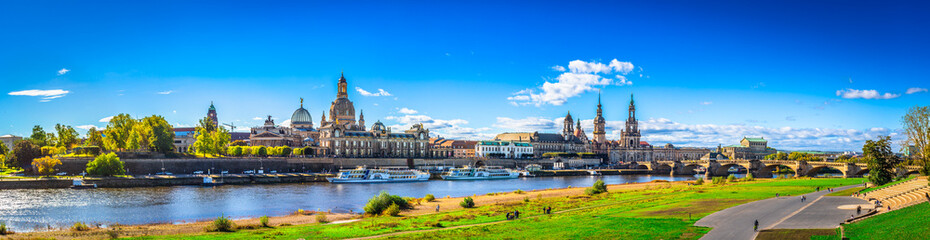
(37, 209)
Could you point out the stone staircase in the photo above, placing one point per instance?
(900, 195)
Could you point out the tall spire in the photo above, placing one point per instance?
(301, 102)
(343, 91)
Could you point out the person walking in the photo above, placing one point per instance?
(508, 215)
(516, 214)
(549, 210)
(858, 210)
(437, 207)
(755, 226)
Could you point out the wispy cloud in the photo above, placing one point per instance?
(915, 90)
(581, 77)
(707, 103)
(407, 111)
(88, 127)
(166, 92)
(106, 119)
(850, 93)
(257, 118)
(63, 71)
(380, 93)
(47, 95)
(439, 127)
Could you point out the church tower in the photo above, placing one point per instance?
(211, 114)
(361, 120)
(600, 135)
(629, 138)
(342, 110)
(568, 126)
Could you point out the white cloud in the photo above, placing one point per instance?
(529, 124)
(452, 129)
(707, 103)
(166, 92)
(88, 127)
(63, 71)
(582, 77)
(407, 111)
(864, 94)
(915, 90)
(286, 123)
(106, 119)
(257, 118)
(558, 68)
(380, 92)
(47, 95)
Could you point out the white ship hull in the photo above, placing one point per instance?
(341, 180)
(511, 176)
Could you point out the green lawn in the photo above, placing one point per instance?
(655, 213)
(846, 193)
(797, 234)
(908, 223)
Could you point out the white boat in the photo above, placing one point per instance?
(593, 173)
(80, 184)
(210, 182)
(380, 175)
(481, 173)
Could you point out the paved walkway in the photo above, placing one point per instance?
(818, 211)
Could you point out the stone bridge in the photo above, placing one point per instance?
(759, 168)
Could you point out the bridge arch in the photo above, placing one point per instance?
(817, 169)
(723, 170)
(662, 168)
(690, 169)
(861, 172)
(769, 170)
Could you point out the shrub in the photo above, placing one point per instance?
(321, 218)
(718, 180)
(284, 151)
(261, 151)
(468, 202)
(223, 224)
(308, 151)
(749, 177)
(264, 221)
(79, 227)
(392, 210)
(4, 230)
(235, 151)
(106, 165)
(377, 204)
(699, 181)
(518, 191)
(731, 178)
(429, 198)
(597, 188)
(246, 151)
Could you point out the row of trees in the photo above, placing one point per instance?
(262, 151)
(795, 156)
(211, 140)
(124, 133)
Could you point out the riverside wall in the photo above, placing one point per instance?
(145, 166)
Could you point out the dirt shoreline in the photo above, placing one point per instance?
(445, 204)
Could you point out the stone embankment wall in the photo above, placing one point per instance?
(158, 181)
(282, 165)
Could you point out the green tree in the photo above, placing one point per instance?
(106, 165)
(210, 139)
(598, 187)
(262, 151)
(881, 160)
(3, 149)
(160, 134)
(917, 128)
(39, 136)
(45, 165)
(377, 204)
(117, 134)
(238, 143)
(67, 136)
(467, 202)
(23, 154)
(94, 138)
(797, 156)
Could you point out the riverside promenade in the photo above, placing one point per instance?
(786, 212)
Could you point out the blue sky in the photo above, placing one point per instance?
(807, 75)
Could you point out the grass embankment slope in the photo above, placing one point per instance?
(653, 211)
(889, 184)
(907, 223)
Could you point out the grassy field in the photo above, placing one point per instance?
(797, 234)
(845, 193)
(661, 212)
(908, 223)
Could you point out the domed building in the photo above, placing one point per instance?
(301, 119)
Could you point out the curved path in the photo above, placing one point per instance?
(818, 212)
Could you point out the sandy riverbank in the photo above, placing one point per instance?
(445, 204)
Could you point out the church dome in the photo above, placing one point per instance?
(301, 116)
(378, 126)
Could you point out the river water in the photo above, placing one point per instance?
(37, 209)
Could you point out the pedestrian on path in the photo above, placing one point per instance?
(755, 226)
(858, 210)
(549, 210)
(516, 214)
(437, 207)
(508, 215)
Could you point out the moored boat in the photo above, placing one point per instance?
(80, 184)
(481, 173)
(210, 182)
(379, 175)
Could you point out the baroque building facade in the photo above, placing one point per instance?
(568, 141)
(344, 136)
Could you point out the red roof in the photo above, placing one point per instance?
(643, 143)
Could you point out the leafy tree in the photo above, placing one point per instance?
(39, 136)
(45, 165)
(284, 151)
(777, 156)
(24, 152)
(160, 134)
(881, 160)
(234, 151)
(917, 128)
(3, 149)
(117, 134)
(797, 156)
(94, 138)
(67, 136)
(467, 202)
(210, 139)
(598, 187)
(262, 151)
(106, 165)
